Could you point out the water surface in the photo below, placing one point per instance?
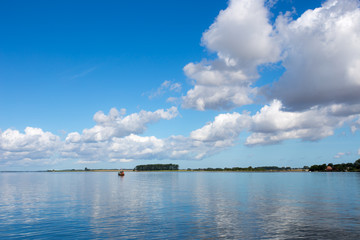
(183, 205)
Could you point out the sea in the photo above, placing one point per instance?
(179, 205)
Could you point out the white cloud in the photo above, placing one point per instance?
(241, 35)
(136, 147)
(217, 86)
(115, 137)
(224, 127)
(320, 52)
(242, 38)
(31, 146)
(273, 124)
(210, 139)
(87, 162)
(116, 125)
(216, 97)
(95, 144)
(322, 56)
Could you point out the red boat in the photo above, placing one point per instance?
(121, 173)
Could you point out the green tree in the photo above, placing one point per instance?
(357, 164)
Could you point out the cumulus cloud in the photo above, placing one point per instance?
(242, 38)
(318, 91)
(116, 125)
(98, 143)
(225, 127)
(217, 86)
(31, 146)
(273, 124)
(320, 52)
(241, 35)
(175, 147)
(321, 56)
(210, 139)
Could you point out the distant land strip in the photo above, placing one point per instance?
(342, 167)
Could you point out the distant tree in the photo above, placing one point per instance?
(357, 164)
(156, 167)
(339, 167)
(323, 167)
(318, 168)
(343, 167)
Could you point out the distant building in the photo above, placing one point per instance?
(329, 169)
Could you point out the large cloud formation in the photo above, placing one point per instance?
(322, 56)
(320, 52)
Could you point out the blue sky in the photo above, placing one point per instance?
(201, 84)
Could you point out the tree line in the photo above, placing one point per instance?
(240, 169)
(157, 167)
(342, 167)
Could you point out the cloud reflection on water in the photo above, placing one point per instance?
(180, 205)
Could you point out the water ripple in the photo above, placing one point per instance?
(184, 205)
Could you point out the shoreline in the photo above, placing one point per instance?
(181, 170)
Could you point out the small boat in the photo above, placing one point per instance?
(121, 173)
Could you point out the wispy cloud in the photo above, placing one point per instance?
(341, 154)
(86, 162)
(166, 86)
(83, 73)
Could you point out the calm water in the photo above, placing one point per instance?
(184, 205)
